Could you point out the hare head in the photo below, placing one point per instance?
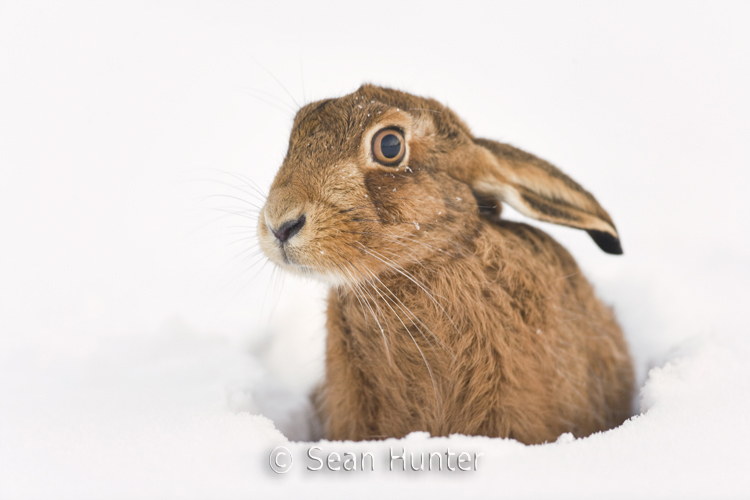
(369, 171)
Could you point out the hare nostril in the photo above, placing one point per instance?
(289, 229)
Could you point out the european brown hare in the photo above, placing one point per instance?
(443, 317)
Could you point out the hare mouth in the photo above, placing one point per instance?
(323, 275)
(285, 257)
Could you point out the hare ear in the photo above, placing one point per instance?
(538, 189)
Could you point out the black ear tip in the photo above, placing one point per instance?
(606, 241)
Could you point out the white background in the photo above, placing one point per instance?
(139, 334)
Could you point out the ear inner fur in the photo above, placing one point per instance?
(539, 190)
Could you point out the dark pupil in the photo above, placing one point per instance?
(390, 146)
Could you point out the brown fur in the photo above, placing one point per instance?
(443, 317)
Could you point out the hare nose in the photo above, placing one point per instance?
(289, 229)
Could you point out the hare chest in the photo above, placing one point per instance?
(486, 346)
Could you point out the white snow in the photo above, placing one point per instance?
(146, 351)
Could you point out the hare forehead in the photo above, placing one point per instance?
(343, 119)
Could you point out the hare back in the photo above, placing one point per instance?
(500, 335)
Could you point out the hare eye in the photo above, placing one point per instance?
(388, 146)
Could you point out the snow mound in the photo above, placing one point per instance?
(178, 415)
